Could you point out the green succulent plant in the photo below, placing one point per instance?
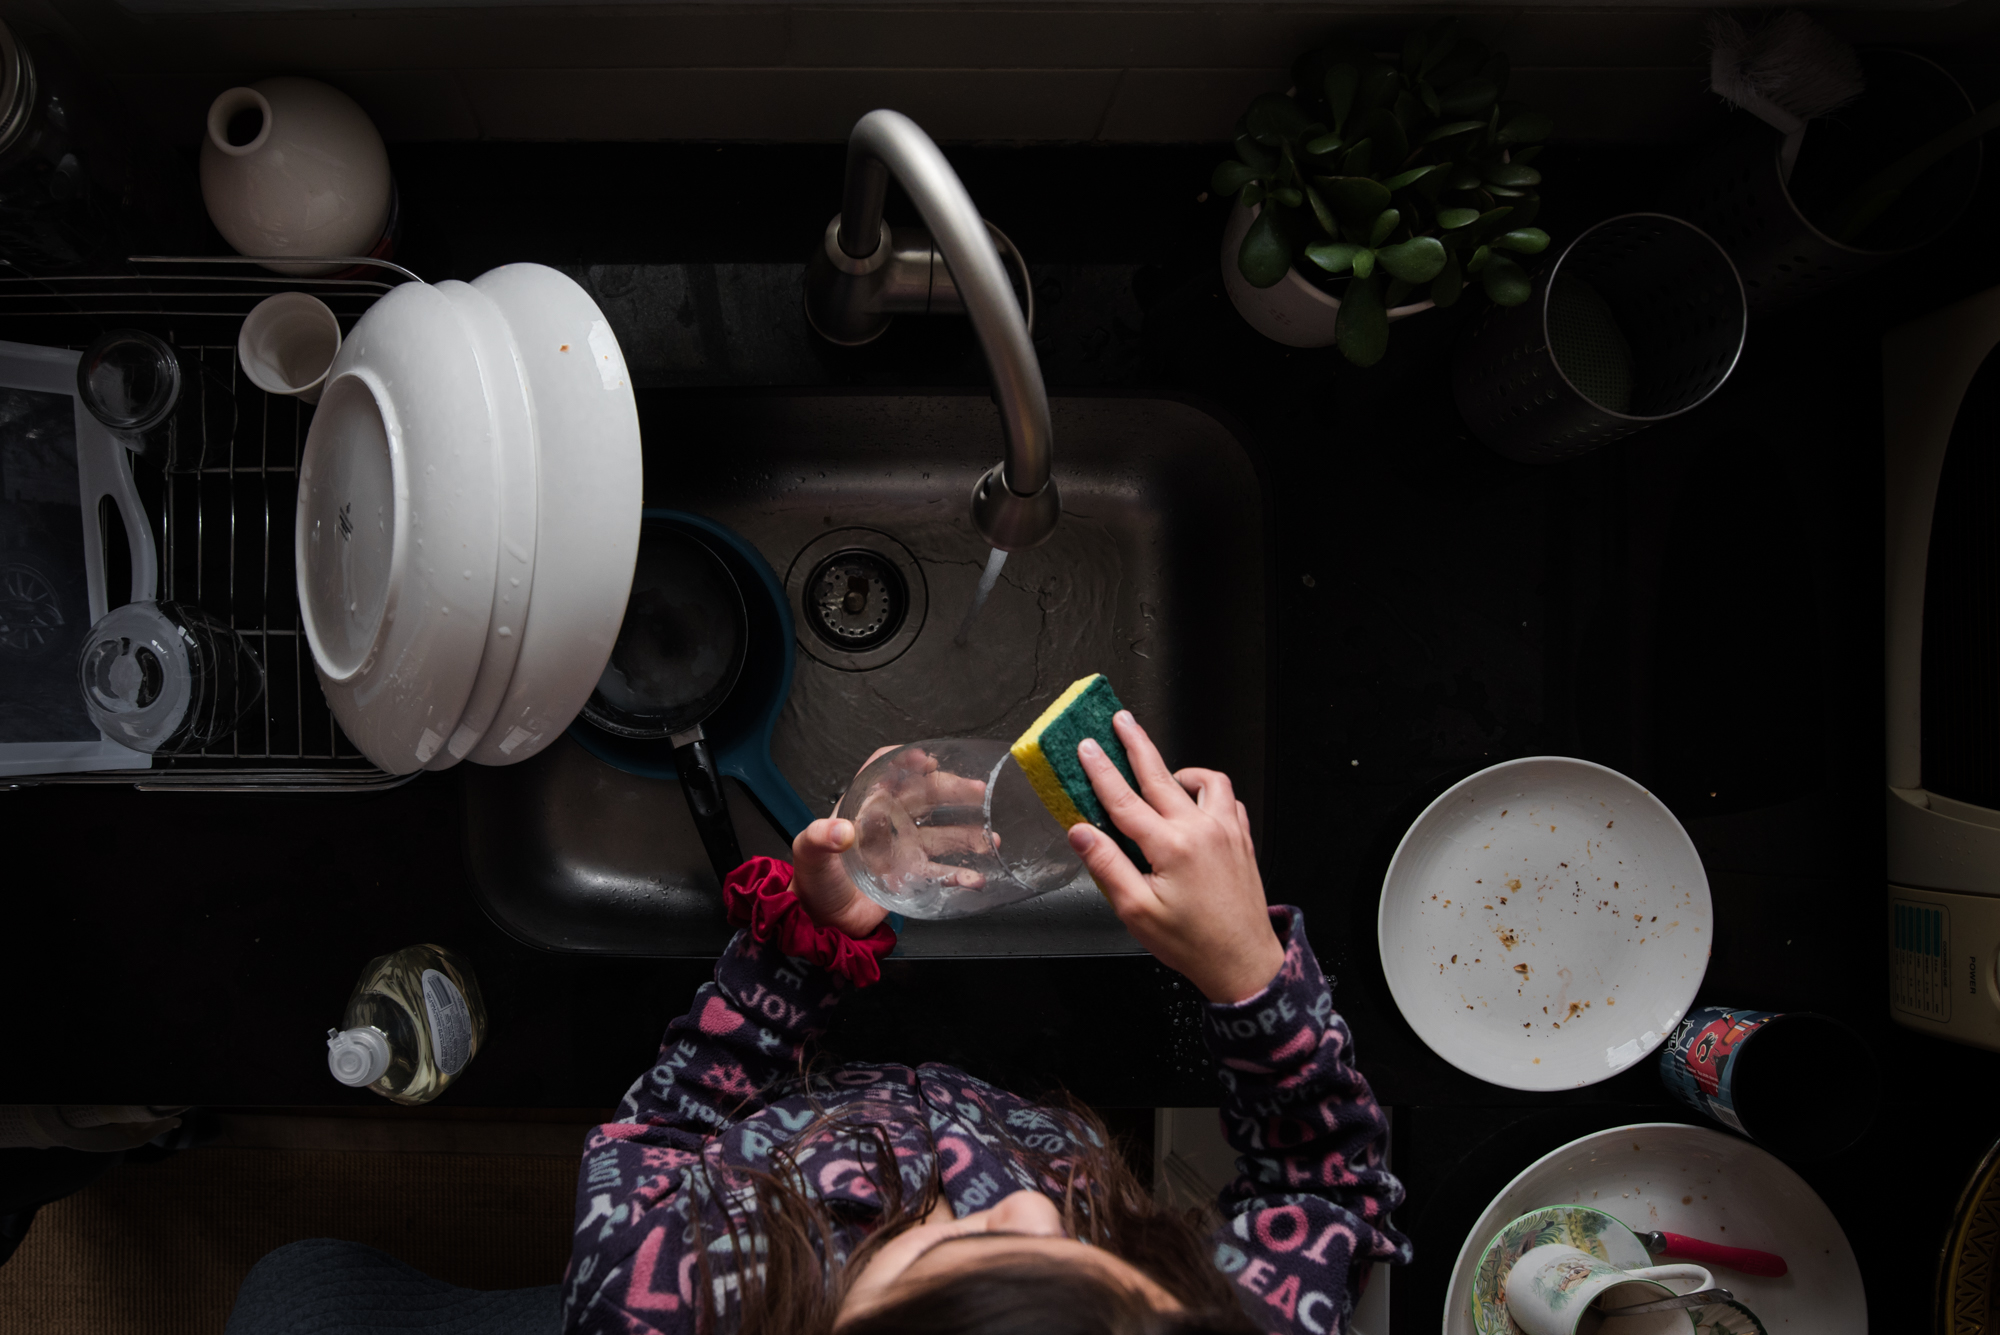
(1408, 175)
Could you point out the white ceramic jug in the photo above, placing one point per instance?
(294, 167)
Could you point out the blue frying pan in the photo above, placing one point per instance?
(739, 729)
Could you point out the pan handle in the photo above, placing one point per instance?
(695, 762)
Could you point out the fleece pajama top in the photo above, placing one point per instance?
(1309, 1208)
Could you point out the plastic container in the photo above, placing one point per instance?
(166, 677)
(415, 1022)
(951, 828)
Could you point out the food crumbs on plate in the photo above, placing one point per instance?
(563, 348)
(1687, 1200)
(1614, 886)
(1522, 969)
(1514, 884)
(1611, 1001)
(1454, 959)
(1538, 1062)
(1503, 811)
(1486, 906)
(1503, 899)
(1637, 916)
(1552, 829)
(1609, 824)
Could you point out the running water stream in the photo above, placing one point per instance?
(987, 580)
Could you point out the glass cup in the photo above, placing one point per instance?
(129, 380)
(951, 828)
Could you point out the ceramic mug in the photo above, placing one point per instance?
(287, 345)
(1551, 1289)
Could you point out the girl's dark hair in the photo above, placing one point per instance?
(797, 1290)
(1036, 1298)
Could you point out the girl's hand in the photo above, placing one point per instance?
(1201, 910)
(822, 884)
(914, 785)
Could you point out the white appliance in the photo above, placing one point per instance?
(1941, 404)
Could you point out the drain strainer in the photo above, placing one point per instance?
(855, 600)
(859, 597)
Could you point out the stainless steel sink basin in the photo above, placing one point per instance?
(1156, 576)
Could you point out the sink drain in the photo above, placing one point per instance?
(859, 597)
(855, 600)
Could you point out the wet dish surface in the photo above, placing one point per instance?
(1704, 1184)
(1545, 923)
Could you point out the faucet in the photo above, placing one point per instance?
(864, 273)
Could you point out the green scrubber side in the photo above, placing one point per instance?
(1047, 752)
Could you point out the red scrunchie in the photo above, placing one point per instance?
(759, 896)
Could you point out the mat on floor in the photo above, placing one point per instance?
(159, 1249)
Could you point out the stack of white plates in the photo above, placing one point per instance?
(468, 518)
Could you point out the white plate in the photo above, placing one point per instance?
(1705, 1184)
(590, 495)
(1545, 923)
(515, 470)
(398, 522)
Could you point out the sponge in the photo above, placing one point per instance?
(1046, 753)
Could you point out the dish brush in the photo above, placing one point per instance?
(1785, 73)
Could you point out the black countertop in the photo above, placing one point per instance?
(1697, 606)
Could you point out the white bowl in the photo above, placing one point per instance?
(1701, 1183)
(592, 481)
(507, 402)
(1545, 924)
(398, 525)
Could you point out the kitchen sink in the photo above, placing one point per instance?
(1156, 576)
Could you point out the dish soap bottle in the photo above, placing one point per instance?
(414, 1022)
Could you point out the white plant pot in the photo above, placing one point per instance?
(1294, 311)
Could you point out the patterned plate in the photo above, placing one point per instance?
(1577, 1226)
(1727, 1319)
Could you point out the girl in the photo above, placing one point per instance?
(740, 1190)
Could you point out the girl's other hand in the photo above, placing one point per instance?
(1201, 910)
(822, 884)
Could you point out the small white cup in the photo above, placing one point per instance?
(1552, 1287)
(288, 344)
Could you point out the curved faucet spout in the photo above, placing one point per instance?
(862, 274)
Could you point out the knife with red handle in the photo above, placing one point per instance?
(1743, 1259)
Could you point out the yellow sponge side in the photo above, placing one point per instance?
(1028, 755)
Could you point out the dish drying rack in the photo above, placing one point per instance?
(221, 498)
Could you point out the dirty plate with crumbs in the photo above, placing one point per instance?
(1545, 923)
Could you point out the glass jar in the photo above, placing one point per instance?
(950, 828)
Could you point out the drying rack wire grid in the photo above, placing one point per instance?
(222, 504)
